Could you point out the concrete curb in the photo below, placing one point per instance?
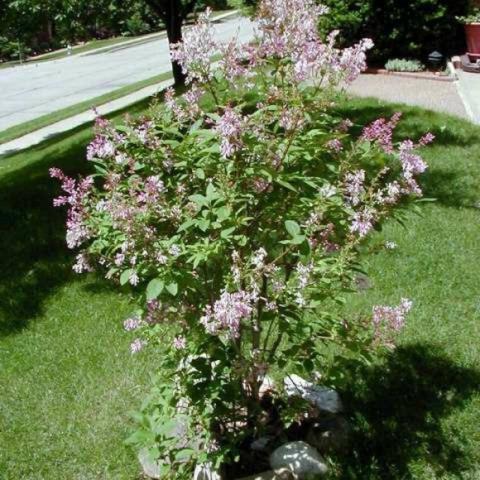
(419, 76)
(468, 103)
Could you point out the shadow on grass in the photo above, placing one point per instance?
(454, 157)
(448, 130)
(35, 261)
(399, 407)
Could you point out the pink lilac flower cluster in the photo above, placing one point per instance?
(234, 63)
(193, 54)
(290, 118)
(353, 60)
(412, 164)
(76, 198)
(137, 345)
(82, 264)
(289, 30)
(153, 187)
(288, 26)
(100, 147)
(132, 323)
(389, 320)
(145, 133)
(229, 127)
(381, 132)
(227, 313)
(354, 187)
(190, 108)
(179, 342)
(335, 145)
(363, 221)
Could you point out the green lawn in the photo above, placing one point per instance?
(67, 380)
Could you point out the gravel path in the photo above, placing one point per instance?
(431, 94)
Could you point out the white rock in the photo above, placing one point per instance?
(300, 458)
(151, 468)
(205, 472)
(267, 386)
(323, 398)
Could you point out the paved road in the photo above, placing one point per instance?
(33, 90)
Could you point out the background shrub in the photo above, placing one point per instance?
(399, 28)
(404, 65)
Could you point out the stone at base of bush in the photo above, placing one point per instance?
(325, 399)
(300, 458)
(151, 468)
(205, 472)
(282, 474)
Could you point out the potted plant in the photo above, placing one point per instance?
(472, 31)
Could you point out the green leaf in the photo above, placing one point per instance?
(200, 173)
(203, 224)
(223, 213)
(125, 276)
(172, 288)
(298, 239)
(186, 225)
(154, 288)
(200, 200)
(293, 228)
(211, 192)
(227, 232)
(286, 185)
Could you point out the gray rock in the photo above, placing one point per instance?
(151, 468)
(178, 431)
(282, 474)
(329, 435)
(205, 472)
(260, 444)
(300, 458)
(325, 399)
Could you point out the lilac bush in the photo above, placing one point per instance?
(234, 213)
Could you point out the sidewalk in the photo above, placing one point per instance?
(468, 86)
(63, 126)
(430, 94)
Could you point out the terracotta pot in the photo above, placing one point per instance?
(472, 31)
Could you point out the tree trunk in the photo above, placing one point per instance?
(174, 34)
(172, 12)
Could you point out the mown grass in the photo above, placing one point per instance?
(415, 413)
(67, 378)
